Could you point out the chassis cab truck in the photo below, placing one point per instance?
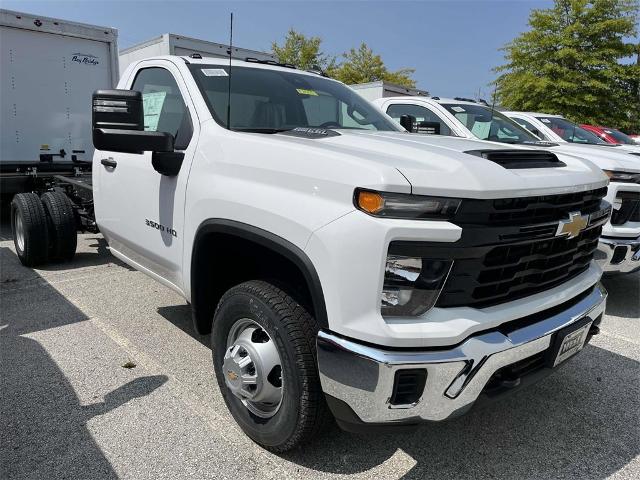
(344, 267)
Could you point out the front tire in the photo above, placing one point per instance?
(264, 357)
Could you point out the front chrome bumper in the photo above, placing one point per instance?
(618, 255)
(362, 376)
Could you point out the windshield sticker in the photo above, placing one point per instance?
(481, 129)
(544, 120)
(214, 72)
(458, 109)
(152, 106)
(304, 91)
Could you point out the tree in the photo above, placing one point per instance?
(576, 60)
(362, 65)
(301, 51)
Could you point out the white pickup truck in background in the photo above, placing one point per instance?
(556, 128)
(343, 266)
(619, 247)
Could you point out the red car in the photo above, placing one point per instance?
(610, 135)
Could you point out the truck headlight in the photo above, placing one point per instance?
(412, 284)
(624, 177)
(403, 205)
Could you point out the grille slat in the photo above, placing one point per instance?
(529, 270)
(528, 210)
(502, 272)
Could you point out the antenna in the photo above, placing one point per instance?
(493, 106)
(229, 83)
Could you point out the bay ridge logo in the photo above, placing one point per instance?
(85, 58)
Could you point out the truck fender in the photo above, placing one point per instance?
(202, 307)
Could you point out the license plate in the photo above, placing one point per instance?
(572, 343)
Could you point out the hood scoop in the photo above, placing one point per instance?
(514, 159)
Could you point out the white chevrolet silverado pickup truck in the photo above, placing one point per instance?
(619, 246)
(343, 266)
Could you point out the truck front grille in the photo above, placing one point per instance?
(509, 248)
(508, 272)
(629, 210)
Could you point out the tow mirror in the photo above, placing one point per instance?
(118, 124)
(407, 121)
(430, 128)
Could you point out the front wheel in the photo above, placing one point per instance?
(264, 358)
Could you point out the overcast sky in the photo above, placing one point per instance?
(453, 45)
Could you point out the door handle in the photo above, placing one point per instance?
(109, 162)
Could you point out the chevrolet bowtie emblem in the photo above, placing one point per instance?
(571, 228)
(231, 375)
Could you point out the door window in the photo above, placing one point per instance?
(163, 105)
(426, 120)
(529, 126)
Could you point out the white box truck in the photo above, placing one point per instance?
(48, 70)
(172, 44)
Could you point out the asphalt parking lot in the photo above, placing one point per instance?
(69, 409)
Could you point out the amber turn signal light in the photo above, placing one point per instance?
(371, 202)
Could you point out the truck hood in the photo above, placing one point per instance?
(605, 157)
(621, 147)
(437, 165)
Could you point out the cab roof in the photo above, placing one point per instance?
(434, 99)
(248, 62)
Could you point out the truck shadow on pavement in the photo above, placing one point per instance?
(180, 316)
(43, 425)
(99, 255)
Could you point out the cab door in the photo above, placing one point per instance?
(141, 211)
(427, 121)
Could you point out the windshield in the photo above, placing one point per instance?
(489, 125)
(270, 101)
(619, 136)
(570, 132)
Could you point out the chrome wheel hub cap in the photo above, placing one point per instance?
(19, 231)
(252, 368)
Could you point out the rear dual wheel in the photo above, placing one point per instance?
(62, 226)
(264, 358)
(44, 228)
(30, 229)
